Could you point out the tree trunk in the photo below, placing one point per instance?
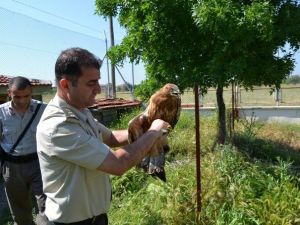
(221, 116)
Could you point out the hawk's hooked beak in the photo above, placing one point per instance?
(175, 92)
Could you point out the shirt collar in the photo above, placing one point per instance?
(13, 111)
(81, 115)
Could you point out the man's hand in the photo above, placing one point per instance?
(159, 125)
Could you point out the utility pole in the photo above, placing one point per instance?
(132, 72)
(107, 64)
(112, 43)
(198, 153)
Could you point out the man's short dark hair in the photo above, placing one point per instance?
(70, 62)
(19, 82)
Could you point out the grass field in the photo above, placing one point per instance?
(253, 180)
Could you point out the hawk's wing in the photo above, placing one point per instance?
(137, 127)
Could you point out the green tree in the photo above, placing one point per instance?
(211, 42)
(244, 39)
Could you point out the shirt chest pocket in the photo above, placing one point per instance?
(9, 132)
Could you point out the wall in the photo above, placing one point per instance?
(286, 114)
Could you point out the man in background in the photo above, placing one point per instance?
(20, 165)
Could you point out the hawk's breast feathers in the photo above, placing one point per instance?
(165, 104)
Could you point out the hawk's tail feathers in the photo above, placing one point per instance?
(161, 175)
(166, 148)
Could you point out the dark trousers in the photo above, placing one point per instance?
(97, 220)
(21, 182)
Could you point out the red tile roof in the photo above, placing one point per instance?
(115, 103)
(4, 80)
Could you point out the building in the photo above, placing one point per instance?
(107, 111)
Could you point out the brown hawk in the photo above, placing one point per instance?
(165, 104)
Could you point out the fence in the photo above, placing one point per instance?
(288, 95)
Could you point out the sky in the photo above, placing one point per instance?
(34, 32)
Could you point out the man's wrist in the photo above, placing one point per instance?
(155, 133)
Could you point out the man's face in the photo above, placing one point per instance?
(20, 98)
(84, 93)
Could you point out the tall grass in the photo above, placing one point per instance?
(238, 188)
(251, 192)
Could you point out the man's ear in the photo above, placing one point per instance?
(9, 93)
(64, 84)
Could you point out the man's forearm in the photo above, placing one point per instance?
(136, 151)
(125, 158)
(119, 138)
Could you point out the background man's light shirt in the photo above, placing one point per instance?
(12, 125)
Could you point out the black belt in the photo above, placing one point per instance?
(96, 220)
(18, 159)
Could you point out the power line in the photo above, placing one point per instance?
(57, 16)
(60, 17)
(25, 47)
(40, 21)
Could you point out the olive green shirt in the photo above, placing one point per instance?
(70, 148)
